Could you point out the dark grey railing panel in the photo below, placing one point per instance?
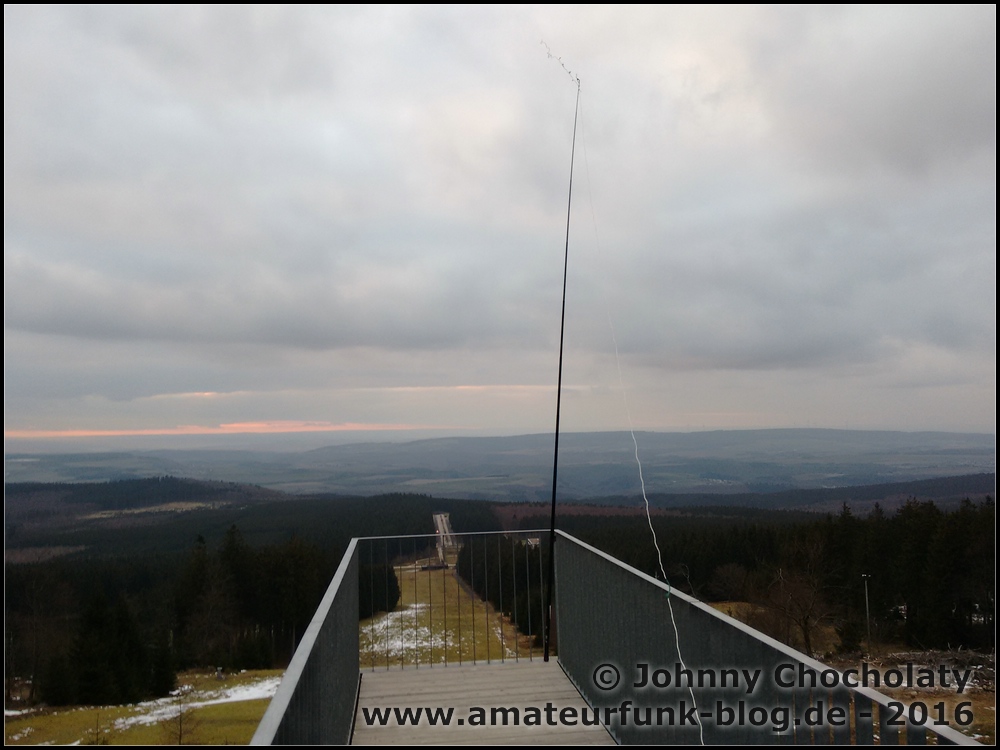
(888, 734)
(841, 698)
(864, 729)
(610, 614)
(315, 701)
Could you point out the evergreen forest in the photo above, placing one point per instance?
(115, 610)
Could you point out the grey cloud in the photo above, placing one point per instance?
(805, 189)
(419, 303)
(909, 89)
(808, 288)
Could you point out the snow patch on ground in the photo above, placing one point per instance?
(164, 709)
(21, 735)
(399, 636)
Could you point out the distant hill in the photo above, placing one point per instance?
(943, 491)
(518, 468)
(167, 514)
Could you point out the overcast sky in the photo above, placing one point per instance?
(265, 219)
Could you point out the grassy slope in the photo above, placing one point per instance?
(231, 723)
(437, 620)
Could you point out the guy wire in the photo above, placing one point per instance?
(635, 442)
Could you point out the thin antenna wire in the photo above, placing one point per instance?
(562, 329)
(575, 78)
(635, 443)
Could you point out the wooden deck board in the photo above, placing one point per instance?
(461, 688)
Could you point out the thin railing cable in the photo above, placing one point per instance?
(430, 604)
(503, 642)
(416, 630)
(527, 578)
(472, 601)
(458, 586)
(374, 603)
(562, 331)
(385, 589)
(486, 599)
(631, 429)
(513, 580)
(444, 598)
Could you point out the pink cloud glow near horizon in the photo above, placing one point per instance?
(233, 428)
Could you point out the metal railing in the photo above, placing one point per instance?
(458, 602)
(315, 702)
(400, 602)
(448, 598)
(611, 618)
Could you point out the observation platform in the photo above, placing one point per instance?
(414, 624)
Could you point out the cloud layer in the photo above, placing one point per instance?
(345, 214)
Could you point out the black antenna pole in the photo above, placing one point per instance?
(555, 459)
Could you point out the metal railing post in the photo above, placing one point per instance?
(314, 703)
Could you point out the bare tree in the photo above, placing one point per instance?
(798, 598)
(183, 724)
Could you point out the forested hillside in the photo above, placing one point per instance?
(124, 605)
(931, 573)
(104, 603)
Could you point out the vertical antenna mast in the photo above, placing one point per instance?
(562, 329)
